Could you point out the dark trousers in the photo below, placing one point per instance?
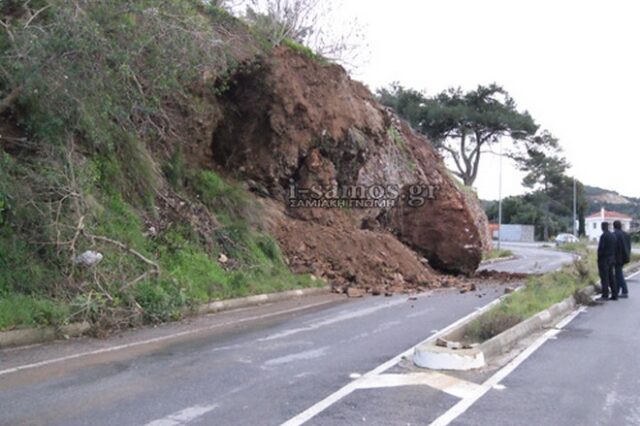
(607, 278)
(620, 281)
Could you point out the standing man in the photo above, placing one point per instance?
(623, 256)
(606, 262)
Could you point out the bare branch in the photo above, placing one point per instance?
(125, 248)
(35, 15)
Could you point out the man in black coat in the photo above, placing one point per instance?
(606, 262)
(623, 256)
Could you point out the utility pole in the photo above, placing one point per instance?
(500, 199)
(575, 208)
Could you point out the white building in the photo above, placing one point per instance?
(592, 224)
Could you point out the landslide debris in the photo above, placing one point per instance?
(292, 122)
(166, 137)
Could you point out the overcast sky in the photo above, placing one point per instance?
(574, 65)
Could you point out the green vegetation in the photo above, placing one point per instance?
(540, 293)
(304, 50)
(19, 309)
(461, 125)
(98, 164)
(401, 143)
(497, 254)
(579, 247)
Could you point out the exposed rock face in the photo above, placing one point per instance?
(293, 121)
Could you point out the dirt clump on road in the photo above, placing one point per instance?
(501, 275)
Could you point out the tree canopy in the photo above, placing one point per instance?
(462, 124)
(549, 205)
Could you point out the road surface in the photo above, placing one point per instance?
(291, 361)
(588, 375)
(530, 258)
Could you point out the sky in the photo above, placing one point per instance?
(574, 65)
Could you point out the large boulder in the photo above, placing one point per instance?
(291, 121)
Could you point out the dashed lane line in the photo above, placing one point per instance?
(184, 417)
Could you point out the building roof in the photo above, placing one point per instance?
(609, 215)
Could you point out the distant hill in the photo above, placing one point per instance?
(597, 198)
(612, 200)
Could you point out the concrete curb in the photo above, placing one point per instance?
(243, 302)
(433, 357)
(30, 336)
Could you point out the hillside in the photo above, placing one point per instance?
(611, 200)
(149, 154)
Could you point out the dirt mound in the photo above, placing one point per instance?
(375, 262)
(292, 125)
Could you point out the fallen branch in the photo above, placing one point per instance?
(127, 249)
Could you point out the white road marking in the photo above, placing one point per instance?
(157, 339)
(333, 320)
(447, 384)
(355, 375)
(300, 356)
(320, 406)
(184, 417)
(462, 406)
(633, 275)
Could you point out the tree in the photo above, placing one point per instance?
(307, 22)
(462, 125)
(546, 175)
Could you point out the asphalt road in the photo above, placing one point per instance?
(588, 375)
(530, 258)
(257, 366)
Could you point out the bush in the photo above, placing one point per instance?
(21, 310)
(161, 300)
(541, 292)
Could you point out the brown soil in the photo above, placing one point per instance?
(291, 120)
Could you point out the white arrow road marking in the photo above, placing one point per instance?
(184, 417)
(448, 384)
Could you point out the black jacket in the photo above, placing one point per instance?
(607, 247)
(623, 247)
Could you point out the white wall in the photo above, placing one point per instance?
(593, 227)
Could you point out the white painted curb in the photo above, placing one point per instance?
(437, 358)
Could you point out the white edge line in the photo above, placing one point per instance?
(633, 275)
(157, 339)
(322, 405)
(462, 406)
